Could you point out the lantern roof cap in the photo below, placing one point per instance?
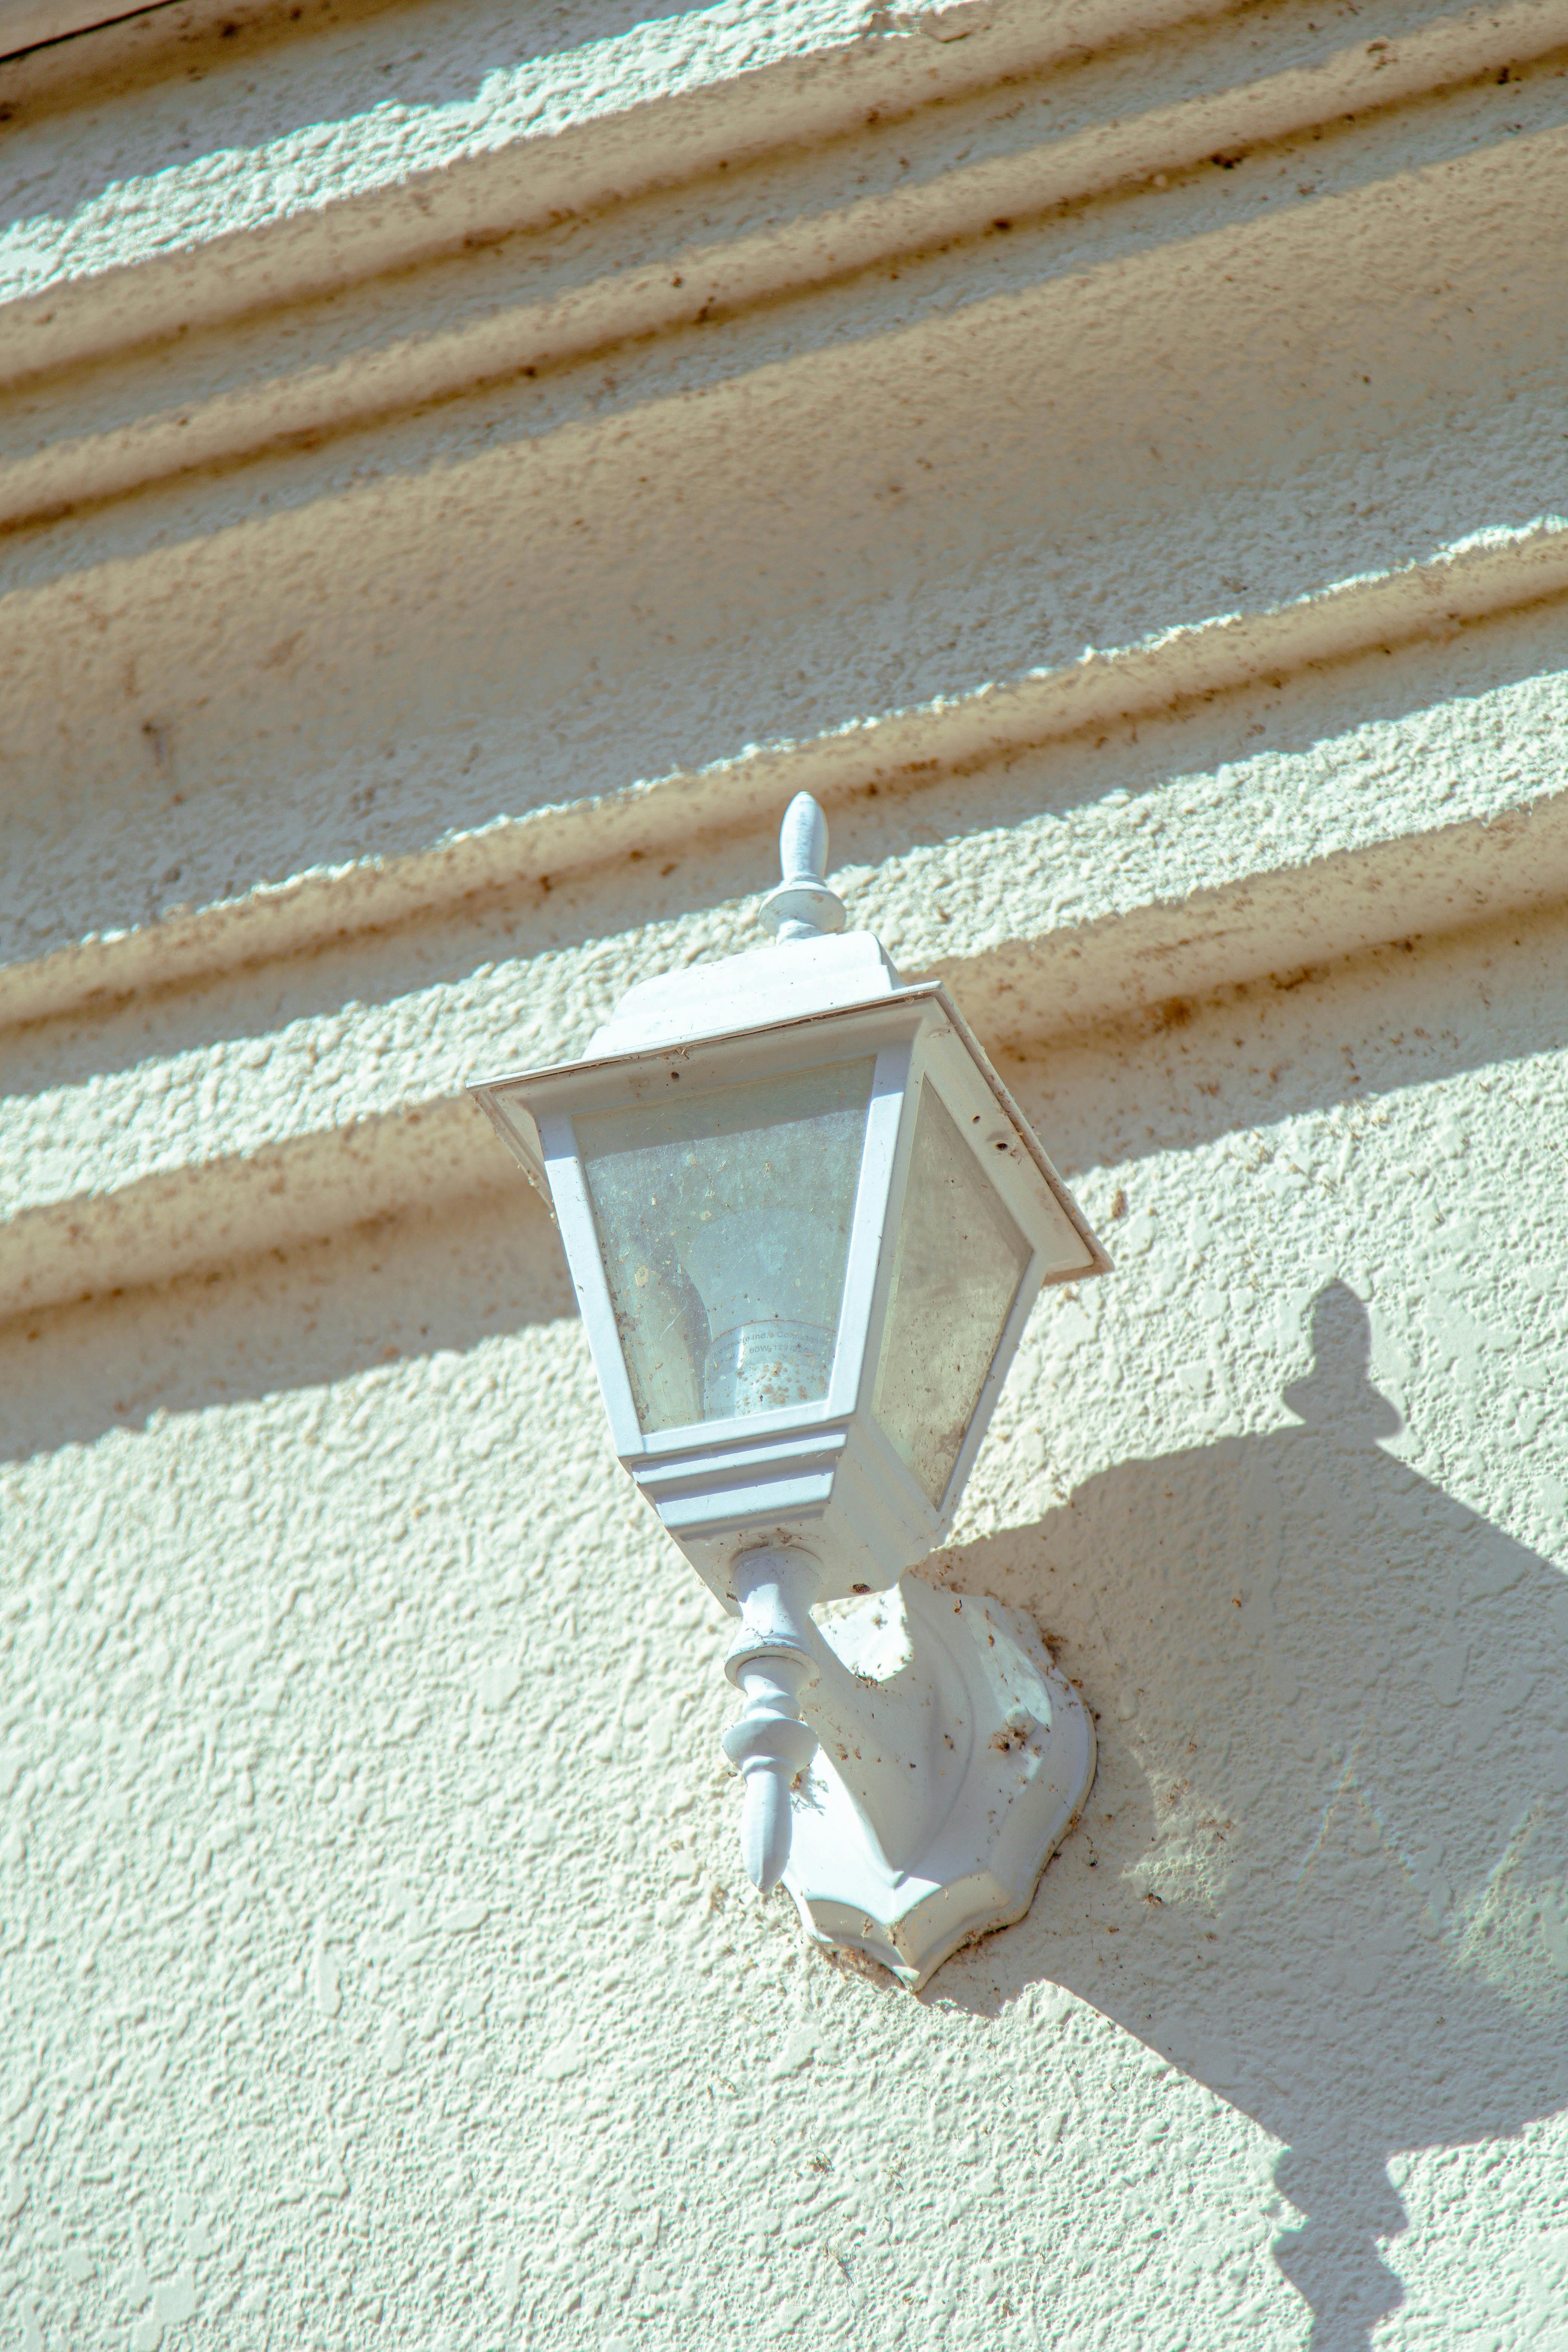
(788, 981)
(814, 964)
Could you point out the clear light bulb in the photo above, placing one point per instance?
(724, 1217)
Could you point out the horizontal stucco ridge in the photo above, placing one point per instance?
(540, 143)
(210, 1213)
(118, 407)
(1496, 572)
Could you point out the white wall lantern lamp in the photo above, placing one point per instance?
(805, 1223)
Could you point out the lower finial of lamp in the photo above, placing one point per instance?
(911, 1762)
(769, 1660)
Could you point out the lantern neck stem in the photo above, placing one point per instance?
(881, 1735)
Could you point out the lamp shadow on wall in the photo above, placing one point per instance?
(1328, 1831)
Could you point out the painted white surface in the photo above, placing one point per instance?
(333, 1649)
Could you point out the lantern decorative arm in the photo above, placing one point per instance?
(927, 1786)
(802, 906)
(900, 1744)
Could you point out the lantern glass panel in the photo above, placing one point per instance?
(956, 1269)
(723, 1219)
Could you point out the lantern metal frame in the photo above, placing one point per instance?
(824, 1473)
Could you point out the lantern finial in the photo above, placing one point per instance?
(803, 906)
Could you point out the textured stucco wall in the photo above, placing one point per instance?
(370, 1882)
(462, 470)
